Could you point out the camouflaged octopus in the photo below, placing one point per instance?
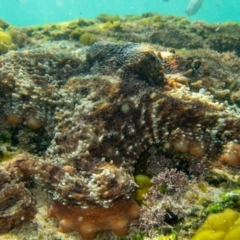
(102, 106)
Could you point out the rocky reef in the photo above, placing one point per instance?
(79, 122)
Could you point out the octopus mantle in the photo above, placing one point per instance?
(102, 106)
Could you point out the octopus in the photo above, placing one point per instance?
(101, 106)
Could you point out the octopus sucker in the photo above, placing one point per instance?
(101, 113)
(85, 222)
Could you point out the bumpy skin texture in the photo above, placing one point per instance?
(102, 106)
(17, 204)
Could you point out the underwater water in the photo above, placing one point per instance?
(30, 12)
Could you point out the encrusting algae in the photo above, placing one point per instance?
(95, 113)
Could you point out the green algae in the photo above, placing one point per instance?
(115, 25)
(144, 183)
(169, 31)
(135, 236)
(224, 225)
(5, 137)
(227, 200)
(108, 18)
(88, 39)
(76, 33)
(5, 146)
(6, 42)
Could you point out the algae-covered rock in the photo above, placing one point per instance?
(108, 18)
(3, 24)
(20, 36)
(76, 33)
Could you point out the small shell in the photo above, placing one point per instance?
(193, 7)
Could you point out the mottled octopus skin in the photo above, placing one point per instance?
(88, 222)
(102, 106)
(17, 204)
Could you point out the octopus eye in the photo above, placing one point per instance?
(152, 59)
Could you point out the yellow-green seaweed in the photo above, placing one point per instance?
(87, 39)
(144, 184)
(220, 226)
